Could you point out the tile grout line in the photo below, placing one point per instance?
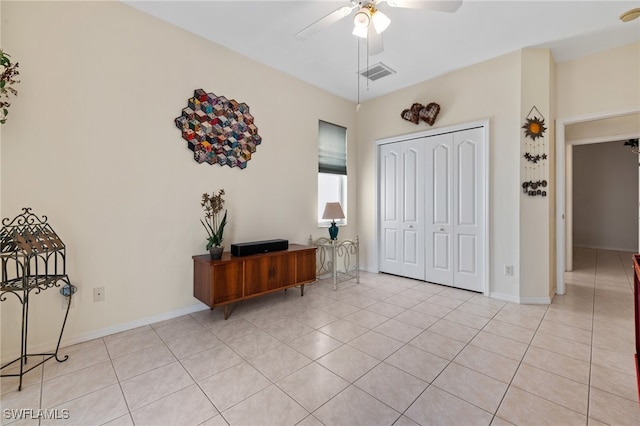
(520, 362)
(124, 398)
(593, 319)
(352, 383)
(449, 363)
(599, 266)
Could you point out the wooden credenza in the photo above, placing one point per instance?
(235, 278)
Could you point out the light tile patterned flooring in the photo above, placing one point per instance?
(387, 351)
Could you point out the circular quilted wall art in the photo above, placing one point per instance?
(218, 130)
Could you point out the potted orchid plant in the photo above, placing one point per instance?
(8, 77)
(214, 222)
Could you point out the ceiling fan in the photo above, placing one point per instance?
(369, 22)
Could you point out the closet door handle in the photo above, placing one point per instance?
(441, 229)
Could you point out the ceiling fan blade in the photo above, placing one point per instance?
(323, 23)
(435, 5)
(374, 41)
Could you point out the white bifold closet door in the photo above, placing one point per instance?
(402, 209)
(432, 224)
(454, 210)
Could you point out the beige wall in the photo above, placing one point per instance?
(604, 85)
(536, 213)
(91, 143)
(605, 196)
(624, 127)
(605, 81)
(489, 90)
(500, 89)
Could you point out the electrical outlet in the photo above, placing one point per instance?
(508, 270)
(98, 294)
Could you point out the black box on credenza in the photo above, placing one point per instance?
(255, 247)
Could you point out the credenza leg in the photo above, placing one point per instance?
(226, 312)
(301, 290)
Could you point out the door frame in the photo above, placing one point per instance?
(564, 189)
(484, 180)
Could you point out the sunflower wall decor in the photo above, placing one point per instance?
(536, 165)
(534, 127)
(218, 130)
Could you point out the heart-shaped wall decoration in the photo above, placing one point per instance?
(429, 113)
(418, 112)
(410, 115)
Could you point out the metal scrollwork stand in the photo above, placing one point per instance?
(340, 258)
(33, 260)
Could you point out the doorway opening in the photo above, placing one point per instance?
(605, 196)
(564, 163)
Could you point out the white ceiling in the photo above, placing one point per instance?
(418, 45)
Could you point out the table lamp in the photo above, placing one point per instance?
(333, 211)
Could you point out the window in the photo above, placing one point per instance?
(332, 169)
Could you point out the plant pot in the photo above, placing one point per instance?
(216, 252)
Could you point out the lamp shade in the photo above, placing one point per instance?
(360, 32)
(380, 21)
(333, 211)
(362, 18)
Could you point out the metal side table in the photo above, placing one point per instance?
(33, 260)
(338, 259)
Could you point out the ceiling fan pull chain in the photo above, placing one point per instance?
(358, 44)
(368, 64)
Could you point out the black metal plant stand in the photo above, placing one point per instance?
(33, 260)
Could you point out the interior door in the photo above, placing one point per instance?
(401, 209)
(455, 209)
(439, 207)
(468, 205)
(390, 258)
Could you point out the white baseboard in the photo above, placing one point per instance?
(85, 337)
(535, 300)
(504, 297)
(607, 248)
(521, 300)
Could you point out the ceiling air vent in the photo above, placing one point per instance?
(377, 71)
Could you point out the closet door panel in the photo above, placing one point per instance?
(410, 248)
(390, 169)
(440, 253)
(390, 186)
(441, 184)
(390, 245)
(432, 212)
(410, 196)
(469, 210)
(402, 209)
(439, 265)
(466, 254)
(466, 177)
(413, 209)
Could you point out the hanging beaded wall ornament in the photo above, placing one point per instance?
(536, 155)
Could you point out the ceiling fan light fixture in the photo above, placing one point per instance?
(362, 18)
(360, 32)
(380, 21)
